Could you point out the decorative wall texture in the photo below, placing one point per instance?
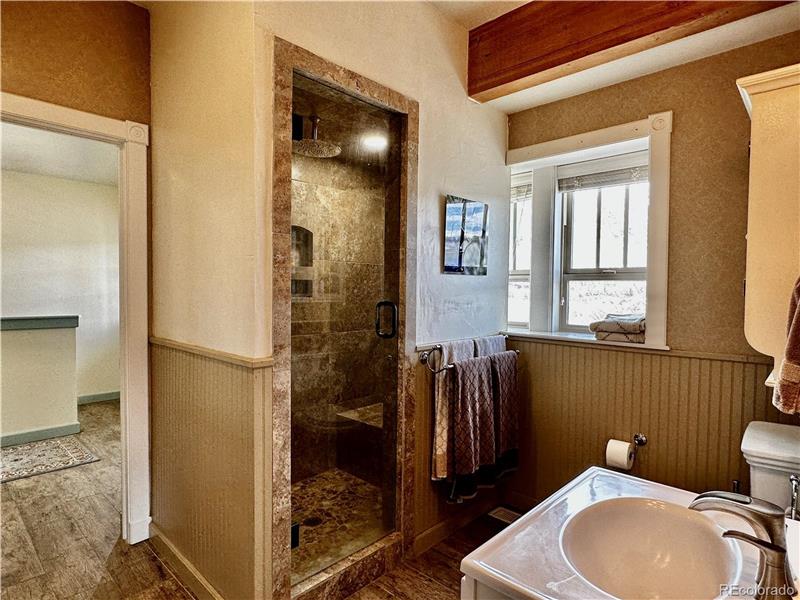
(209, 237)
(91, 56)
(708, 181)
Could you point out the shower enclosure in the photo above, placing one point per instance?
(345, 286)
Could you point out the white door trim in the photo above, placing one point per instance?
(132, 139)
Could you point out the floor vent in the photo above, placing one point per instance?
(506, 515)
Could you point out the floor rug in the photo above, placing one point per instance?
(35, 458)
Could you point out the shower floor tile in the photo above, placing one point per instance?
(339, 514)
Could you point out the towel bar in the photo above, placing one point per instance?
(426, 355)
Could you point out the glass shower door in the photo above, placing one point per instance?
(345, 324)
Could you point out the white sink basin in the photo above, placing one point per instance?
(609, 535)
(634, 548)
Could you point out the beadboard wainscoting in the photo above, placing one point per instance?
(693, 408)
(210, 430)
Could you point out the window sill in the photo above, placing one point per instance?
(583, 338)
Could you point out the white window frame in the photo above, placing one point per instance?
(652, 134)
(569, 273)
(513, 273)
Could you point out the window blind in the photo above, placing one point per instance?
(625, 176)
(520, 193)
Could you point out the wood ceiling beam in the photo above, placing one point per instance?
(545, 40)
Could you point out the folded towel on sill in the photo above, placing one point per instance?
(633, 338)
(614, 323)
(473, 416)
(492, 344)
(441, 458)
(786, 395)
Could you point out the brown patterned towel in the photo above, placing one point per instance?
(443, 397)
(491, 344)
(786, 396)
(634, 338)
(615, 323)
(506, 401)
(473, 415)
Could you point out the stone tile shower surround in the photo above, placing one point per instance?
(347, 575)
(334, 346)
(342, 226)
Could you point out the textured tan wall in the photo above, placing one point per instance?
(92, 56)
(693, 409)
(708, 182)
(205, 413)
(209, 236)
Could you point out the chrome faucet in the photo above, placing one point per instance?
(767, 520)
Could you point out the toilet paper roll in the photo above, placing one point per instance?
(619, 454)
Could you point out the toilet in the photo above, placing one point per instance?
(773, 452)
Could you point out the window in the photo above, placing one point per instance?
(588, 230)
(604, 259)
(519, 250)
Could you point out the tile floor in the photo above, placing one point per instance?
(61, 530)
(339, 514)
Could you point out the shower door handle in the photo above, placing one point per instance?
(380, 332)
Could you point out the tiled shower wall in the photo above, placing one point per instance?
(338, 363)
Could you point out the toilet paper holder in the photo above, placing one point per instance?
(639, 440)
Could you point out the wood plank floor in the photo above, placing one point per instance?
(61, 530)
(435, 574)
(60, 537)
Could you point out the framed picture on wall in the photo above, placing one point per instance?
(465, 243)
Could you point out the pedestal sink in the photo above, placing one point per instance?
(635, 548)
(608, 535)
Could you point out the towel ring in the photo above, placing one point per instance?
(425, 359)
(426, 355)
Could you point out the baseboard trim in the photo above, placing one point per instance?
(36, 435)
(102, 397)
(432, 536)
(184, 569)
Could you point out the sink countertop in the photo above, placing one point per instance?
(525, 560)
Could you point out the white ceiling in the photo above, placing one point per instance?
(739, 33)
(41, 152)
(470, 14)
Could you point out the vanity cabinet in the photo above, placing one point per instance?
(773, 223)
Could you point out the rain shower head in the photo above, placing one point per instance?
(313, 147)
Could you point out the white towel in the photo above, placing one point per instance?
(613, 323)
(440, 457)
(484, 346)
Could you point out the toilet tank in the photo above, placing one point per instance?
(773, 452)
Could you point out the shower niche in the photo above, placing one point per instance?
(345, 217)
(302, 262)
